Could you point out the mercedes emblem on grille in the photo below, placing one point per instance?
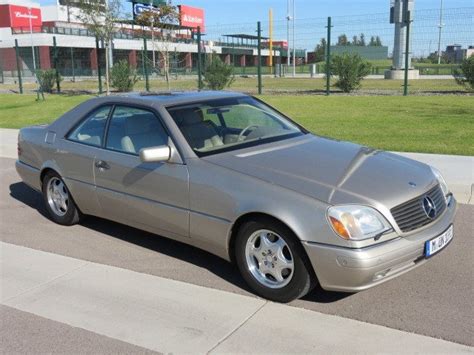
(429, 207)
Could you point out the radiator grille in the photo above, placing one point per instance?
(411, 215)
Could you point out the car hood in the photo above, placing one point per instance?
(332, 171)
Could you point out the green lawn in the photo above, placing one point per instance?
(430, 124)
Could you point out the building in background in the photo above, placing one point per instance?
(456, 54)
(76, 47)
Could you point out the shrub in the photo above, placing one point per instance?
(465, 76)
(350, 69)
(217, 74)
(47, 79)
(122, 76)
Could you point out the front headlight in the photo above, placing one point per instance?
(441, 181)
(353, 222)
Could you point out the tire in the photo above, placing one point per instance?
(58, 200)
(262, 266)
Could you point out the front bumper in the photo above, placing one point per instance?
(352, 270)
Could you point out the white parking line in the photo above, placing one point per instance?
(172, 316)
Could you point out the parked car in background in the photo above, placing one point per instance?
(229, 174)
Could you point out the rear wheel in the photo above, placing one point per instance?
(272, 261)
(58, 200)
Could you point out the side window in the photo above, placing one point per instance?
(91, 130)
(132, 129)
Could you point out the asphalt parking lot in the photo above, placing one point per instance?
(433, 300)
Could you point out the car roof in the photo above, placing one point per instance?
(70, 118)
(171, 97)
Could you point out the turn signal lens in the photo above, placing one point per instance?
(339, 228)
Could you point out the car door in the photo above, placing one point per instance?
(75, 156)
(150, 196)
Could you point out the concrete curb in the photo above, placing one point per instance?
(175, 317)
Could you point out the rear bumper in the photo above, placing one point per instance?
(352, 270)
(29, 175)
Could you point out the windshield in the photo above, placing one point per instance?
(226, 124)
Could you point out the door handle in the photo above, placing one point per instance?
(102, 165)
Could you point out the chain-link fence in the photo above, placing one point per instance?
(293, 63)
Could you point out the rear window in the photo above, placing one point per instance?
(91, 130)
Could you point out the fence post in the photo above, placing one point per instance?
(55, 61)
(328, 59)
(145, 64)
(17, 52)
(407, 52)
(99, 71)
(72, 63)
(199, 63)
(259, 56)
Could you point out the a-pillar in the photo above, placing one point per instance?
(188, 58)
(243, 61)
(132, 58)
(44, 57)
(93, 60)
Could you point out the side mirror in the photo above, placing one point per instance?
(155, 154)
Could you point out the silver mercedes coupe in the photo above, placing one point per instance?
(228, 174)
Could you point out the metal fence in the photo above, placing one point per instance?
(80, 64)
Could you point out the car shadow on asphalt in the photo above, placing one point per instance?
(163, 245)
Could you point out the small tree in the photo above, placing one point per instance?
(47, 79)
(100, 18)
(342, 40)
(320, 51)
(165, 19)
(217, 74)
(350, 69)
(355, 40)
(465, 76)
(378, 42)
(122, 76)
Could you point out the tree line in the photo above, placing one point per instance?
(343, 40)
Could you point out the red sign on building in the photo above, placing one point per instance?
(191, 17)
(15, 16)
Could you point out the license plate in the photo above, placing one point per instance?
(436, 244)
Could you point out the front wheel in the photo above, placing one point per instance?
(272, 261)
(58, 200)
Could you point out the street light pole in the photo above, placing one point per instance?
(294, 48)
(440, 31)
(152, 34)
(288, 19)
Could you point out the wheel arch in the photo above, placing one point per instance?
(252, 216)
(49, 166)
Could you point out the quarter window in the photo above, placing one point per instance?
(91, 130)
(132, 129)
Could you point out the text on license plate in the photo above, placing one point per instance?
(436, 244)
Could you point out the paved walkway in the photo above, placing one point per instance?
(171, 316)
